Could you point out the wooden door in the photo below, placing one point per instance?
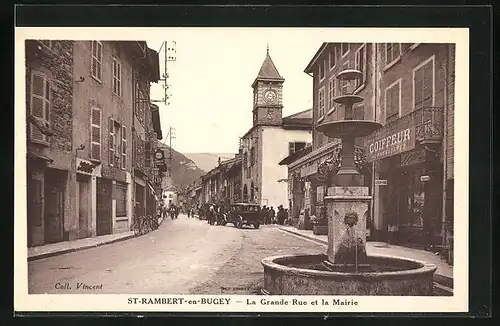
(54, 208)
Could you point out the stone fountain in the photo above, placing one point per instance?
(346, 269)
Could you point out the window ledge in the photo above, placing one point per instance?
(321, 119)
(414, 46)
(392, 63)
(96, 79)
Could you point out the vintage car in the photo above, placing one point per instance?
(240, 214)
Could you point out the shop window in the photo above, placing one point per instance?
(423, 84)
(121, 199)
(412, 199)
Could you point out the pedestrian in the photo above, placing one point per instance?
(281, 215)
(272, 215)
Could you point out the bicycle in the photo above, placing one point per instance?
(137, 225)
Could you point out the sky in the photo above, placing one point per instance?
(211, 103)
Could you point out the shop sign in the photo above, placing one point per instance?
(87, 167)
(413, 157)
(308, 170)
(381, 182)
(425, 178)
(391, 141)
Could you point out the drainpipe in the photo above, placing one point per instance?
(374, 80)
(445, 145)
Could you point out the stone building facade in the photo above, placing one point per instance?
(271, 137)
(80, 173)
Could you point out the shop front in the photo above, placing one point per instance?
(408, 181)
(310, 177)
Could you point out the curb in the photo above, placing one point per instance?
(66, 251)
(438, 278)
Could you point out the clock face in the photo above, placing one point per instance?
(270, 96)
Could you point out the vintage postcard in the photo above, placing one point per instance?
(241, 169)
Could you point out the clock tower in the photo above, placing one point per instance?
(268, 95)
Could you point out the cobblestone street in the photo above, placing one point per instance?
(184, 256)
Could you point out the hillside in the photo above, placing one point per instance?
(207, 161)
(184, 170)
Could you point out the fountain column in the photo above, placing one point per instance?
(348, 199)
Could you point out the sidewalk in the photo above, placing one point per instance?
(444, 272)
(65, 247)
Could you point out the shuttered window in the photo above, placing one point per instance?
(117, 77)
(423, 84)
(124, 147)
(360, 64)
(96, 60)
(95, 134)
(392, 101)
(40, 104)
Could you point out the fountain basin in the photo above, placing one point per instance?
(308, 275)
(349, 74)
(348, 100)
(348, 128)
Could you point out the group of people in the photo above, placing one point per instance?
(172, 210)
(269, 215)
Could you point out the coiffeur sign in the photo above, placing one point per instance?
(390, 141)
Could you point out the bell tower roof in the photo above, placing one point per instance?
(268, 71)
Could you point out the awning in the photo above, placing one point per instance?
(296, 155)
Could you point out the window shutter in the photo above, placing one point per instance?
(112, 140)
(95, 150)
(124, 147)
(40, 105)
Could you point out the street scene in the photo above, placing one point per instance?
(325, 168)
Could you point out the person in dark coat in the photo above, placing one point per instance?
(272, 215)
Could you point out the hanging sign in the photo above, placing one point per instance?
(381, 182)
(395, 139)
(87, 167)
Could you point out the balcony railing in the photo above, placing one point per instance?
(429, 124)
